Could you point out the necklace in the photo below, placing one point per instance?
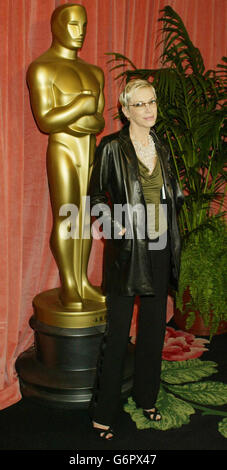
(146, 153)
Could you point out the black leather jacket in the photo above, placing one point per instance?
(115, 180)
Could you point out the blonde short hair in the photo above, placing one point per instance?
(131, 86)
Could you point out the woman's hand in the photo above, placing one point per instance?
(122, 232)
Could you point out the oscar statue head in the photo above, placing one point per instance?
(68, 25)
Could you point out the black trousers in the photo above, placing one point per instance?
(149, 344)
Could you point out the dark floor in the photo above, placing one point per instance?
(31, 426)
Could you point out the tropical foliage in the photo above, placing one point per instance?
(183, 391)
(203, 276)
(192, 120)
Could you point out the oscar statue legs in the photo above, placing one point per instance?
(71, 243)
(62, 249)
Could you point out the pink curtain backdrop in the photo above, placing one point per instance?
(126, 26)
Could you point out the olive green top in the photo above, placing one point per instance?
(152, 185)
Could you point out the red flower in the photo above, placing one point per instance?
(180, 345)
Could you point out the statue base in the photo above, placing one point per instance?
(60, 368)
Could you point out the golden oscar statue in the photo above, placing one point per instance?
(67, 101)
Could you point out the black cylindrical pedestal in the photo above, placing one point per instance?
(60, 368)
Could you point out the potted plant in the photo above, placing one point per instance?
(192, 119)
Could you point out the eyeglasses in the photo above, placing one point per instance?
(142, 104)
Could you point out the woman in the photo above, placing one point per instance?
(132, 171)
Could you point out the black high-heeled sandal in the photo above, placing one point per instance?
(153, 415)
(103, 433)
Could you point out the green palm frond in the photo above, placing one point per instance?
(178, 47)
